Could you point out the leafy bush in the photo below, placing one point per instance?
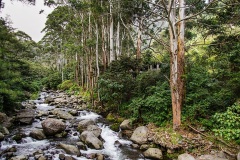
(227, 124)
(66, 85)
(155, 107)
(52, 81)
(117, 84)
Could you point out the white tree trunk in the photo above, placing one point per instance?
(118, 33)
(112, 56)
(97, 64)
(176, 32)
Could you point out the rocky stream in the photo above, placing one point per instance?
(58, 126)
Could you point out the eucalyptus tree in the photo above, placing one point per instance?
(171, 15)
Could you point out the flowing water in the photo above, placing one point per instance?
(28, 145)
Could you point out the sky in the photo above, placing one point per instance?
(26, 17)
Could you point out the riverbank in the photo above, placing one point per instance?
(63, 126)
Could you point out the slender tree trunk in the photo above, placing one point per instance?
(139, 39)
(177, 61)
(104, 55)
(118, 33)
(112, 56)
(77, 68)
(97, 64)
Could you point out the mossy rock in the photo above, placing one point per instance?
(113, 118)
(110, 117)
(115, 127)
(61, 135)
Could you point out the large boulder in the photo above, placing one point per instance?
(185, 156)
(140, 135)
(49, 100)
(5, 120)
(91, 140)
(25, 116)
(154, 153)
(62, 114)
(53, 126)
(82, 125)
(21, 157)
(60, 100)
(70, 149)
(126, 124)
(37, 134)
(5, 131)
(95, 130)
(238, 156)
(210, 157)
(1, 136)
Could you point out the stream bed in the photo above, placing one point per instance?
(49, 146)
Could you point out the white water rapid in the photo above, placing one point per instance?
(28, 146)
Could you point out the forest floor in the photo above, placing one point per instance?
(194, 141)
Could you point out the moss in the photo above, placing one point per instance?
(115, 127)
(110, 117)
(168, 137)
(114, 118)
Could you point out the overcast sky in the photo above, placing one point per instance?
(26, 17)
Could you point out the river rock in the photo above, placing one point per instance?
(25, 116)
(95, 130)
(140, 135)
(153, 153)
(60, 101)
(91, 140)
(81, 146)
(91, 156)
(73, 112)
(42, 158)
(5, 121)
(100, 157)
(1, 136)
(144, 147)
(37, 134)
(70, 149)
(185, 156)
(135, 146)
(5, 131)
(53, 126)
(210, 157)
(42, 113)
(127, 133)
(21, 157)
(126, 124)
(69, 158)
(117, 143)
(84, 124)
(238, 156)
(62, 114)
(49, 100)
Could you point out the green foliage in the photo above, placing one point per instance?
(52, 81)
(66, 85)
(155, 106)
(18, 79)
(70, 87)
(227, 124)
(117, 84)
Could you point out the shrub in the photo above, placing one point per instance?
(52, 81)
(227, 124)
(155, 107)
(66, 85)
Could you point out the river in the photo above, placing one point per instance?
(28, 145)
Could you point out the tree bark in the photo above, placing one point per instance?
(112, 56)
(139, 39)
(177, 62)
